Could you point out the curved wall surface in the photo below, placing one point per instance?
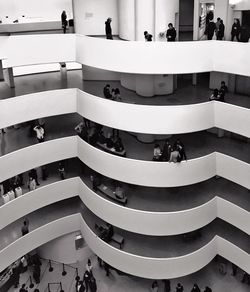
(138, 172)
(152, 268)
(148, 223)
(127, 57)
(163, 119)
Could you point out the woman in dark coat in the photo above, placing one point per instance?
(235, 30)
(108, 29)
(221, 31)
(64, 21)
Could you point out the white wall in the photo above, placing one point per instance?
(62, 249)
(90, 16)
(46, 9)
(241, 5)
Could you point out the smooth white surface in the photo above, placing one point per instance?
(90, 16)
(144, 18)
(142, 118)
(35, 9)
(126, 16)
(24, 50)
(127, 57)
(148, 223)
(146, 267)
(38, 198)
(132, 171)
(36, 155)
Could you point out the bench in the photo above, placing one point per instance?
(118, 239)
(108, 192)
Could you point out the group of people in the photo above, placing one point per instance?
(105, 232)
(239, 32)
(88, 283)
(113, 94)
(170, 34)
(219, 94)
(212, 28)
(95, 134)
(34, 262)
(171, 153)
(178, 288)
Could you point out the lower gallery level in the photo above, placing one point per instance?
(165, 199)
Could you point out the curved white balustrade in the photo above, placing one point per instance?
(146, 267)
(132, 171)
(41, 197)
(148, 223)
(127, 57)
(142, 118)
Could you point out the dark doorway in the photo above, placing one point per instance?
(186, 18)
(246, 18)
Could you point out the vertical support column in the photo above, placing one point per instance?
(126, 16)
(1, 70)
(63, 70)
(9, 77)
(144, 18)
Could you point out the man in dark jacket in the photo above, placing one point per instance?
(171, 33)
(210, 29)
(108, 29)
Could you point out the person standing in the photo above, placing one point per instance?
(108, 29)
(92, 285)
(155, 287)
(31, 184)
(25, 228)
(171, 33)
(195, 288)
(210, 29)
(64, 21)
(235, 32)
(89, 267)
(221, 31)
(39, 133)
(86, 279)
(179, 288)
(61, 170)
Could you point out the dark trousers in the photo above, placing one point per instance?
(235, 35)
(109, 36)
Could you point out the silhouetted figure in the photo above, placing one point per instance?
(155, 287)
(210, 29)
(235, 32)
(195, 288)
(108, 29)
(207, 289)
(25, 228)
(171, 33)
(148, 37)
(221, 31)
(92, 284)
(64, 21)
(179, 288)
(86, 279)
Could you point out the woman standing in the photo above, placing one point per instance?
(64, 21)
(236, 30)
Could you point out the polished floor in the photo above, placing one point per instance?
(208, 276)
(186, 93)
